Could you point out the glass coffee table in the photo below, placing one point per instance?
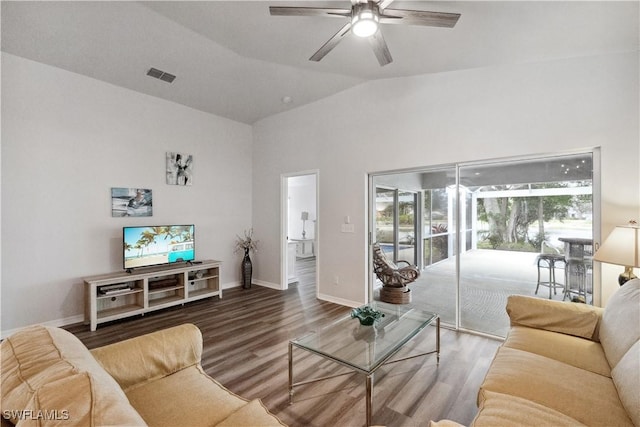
(364, 349)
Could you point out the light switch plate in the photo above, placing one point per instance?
(348, 228)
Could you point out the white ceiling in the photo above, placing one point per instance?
(233, 59)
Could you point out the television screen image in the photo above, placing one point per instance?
(146, 246)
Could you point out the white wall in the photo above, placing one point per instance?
(66, 140)
(502, 111)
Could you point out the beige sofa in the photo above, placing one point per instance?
(50, 378)
(565, 364)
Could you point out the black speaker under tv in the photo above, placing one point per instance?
(157, 245)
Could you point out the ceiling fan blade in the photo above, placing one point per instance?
(331, 43)
(380, 48)
(419, 17)
(309, 11)
(383, 4)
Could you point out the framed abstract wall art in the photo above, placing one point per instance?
(131, 202)
(179, 168)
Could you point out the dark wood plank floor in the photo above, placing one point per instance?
(246, 337)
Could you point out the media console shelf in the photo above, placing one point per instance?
(118, 295)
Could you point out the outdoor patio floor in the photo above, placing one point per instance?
(488, 277)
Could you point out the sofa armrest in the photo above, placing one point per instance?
(148, 357)
(568, 318)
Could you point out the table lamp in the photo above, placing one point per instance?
(622, 247)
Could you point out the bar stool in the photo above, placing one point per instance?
(550, 262)
(578, 275)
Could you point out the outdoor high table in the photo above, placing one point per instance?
(578, 256)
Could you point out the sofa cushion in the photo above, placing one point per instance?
(587, 397)
(78, 400)
(626, 376)
(162, 402)
(40, 356)
(620, 326)
(134, 361)
(497, 409)
(578, 352)
(568, 318)
(253, 414)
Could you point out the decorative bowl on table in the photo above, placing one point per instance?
(366, 315)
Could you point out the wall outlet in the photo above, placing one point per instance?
(336, 281)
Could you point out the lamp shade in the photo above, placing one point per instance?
(304, 216)
(622, 247)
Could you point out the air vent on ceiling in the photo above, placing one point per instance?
(159, 74)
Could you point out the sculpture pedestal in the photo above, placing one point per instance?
(395, 295)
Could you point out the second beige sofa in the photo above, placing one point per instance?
(566, 364)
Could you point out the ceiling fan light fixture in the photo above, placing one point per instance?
(364, 22)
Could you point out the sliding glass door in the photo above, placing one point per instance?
(414, 220)
(477, 230)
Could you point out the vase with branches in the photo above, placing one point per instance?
(246, 244)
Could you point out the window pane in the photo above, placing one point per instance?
(406, 223)
(385, 216)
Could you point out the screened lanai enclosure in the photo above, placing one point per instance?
(483, 231)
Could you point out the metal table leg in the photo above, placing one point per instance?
(369, 399)
(290, 373)
(438, 340)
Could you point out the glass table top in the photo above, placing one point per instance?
(367, 347)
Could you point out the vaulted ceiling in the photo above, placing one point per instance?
(233, 59)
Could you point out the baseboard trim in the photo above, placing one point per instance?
(339, 301)
(56, 323)
(231, 285)
(79, 318)
(253, 282)
(269, 285)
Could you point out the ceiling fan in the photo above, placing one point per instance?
(364, 19)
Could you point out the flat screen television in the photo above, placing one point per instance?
(157, 245)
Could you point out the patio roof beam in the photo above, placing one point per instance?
(536, 192)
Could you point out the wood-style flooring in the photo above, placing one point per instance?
(246, 336)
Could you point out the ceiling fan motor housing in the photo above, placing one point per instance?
(365, 18)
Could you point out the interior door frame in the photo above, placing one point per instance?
(284, 225)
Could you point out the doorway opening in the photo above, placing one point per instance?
(300, 230)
